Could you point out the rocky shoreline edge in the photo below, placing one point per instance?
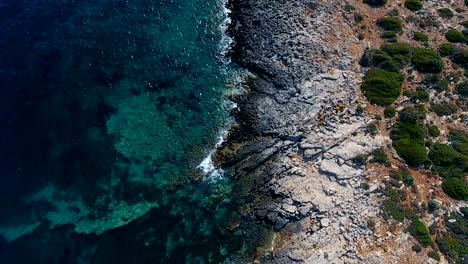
(297, 131)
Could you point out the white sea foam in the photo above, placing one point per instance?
(207, 166)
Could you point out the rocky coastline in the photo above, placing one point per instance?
(299, 131)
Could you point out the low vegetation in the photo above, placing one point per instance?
(445, 12)
(447, 49)
(390, 23)
(389, 112)
(375, 2)
(455, 36)
(381, 87)
(419, 36)
(413, 5)
(426, 60)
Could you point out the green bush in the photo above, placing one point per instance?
(411, 151)
(393, 210)
(433, 205)
(420, 232)
(349, 7)
(454, 249)
(413, 5)
(462, 89)
(372, 128)
(407, 130)
(455, 188)
(445, 12)
(431, 79)
(464, 23)
(379, 156)
(459, 141)
(379, 59)
(454, 35)
(460, 57)
(375, 2)
(441, 85)
(400, 52)
(416, 248)
(389, 34)
(447, 49)
(389, 112)
(433, 131)
(381, 87)
(434, 255)
(407, 177)
(422, 95)
(444, 109)
(426, 60)
(390, 23)
(445, 155)
(419, 36)
(358, 18)
(411, 115)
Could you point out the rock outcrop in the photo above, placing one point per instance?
(299, 131)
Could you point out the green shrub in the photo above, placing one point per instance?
(445, 12)
(390, 23)
(444, 109)
(454, 249)
(365, 186)
(359, 160)
(389, 112)
(459, 141)
(441, 85)
(431, 79)
(433, 131)
(460, 57)
(389, 34)
(381, 87)
(454, 35)
(434, 255)
(416, 248)
(455, 188)
(379, 156)
(419, 36)
(349, 7)
(379, 59)
(433, 205)
(464, 23)
(372, 128)
(358, 18)
(413, 5)
(393, 210)
(462, 89)
(400, 52)
(426, 60)
(445, 155)
(375, 2)
(411, 151)
(447, 49)
(420, 232)
(422, 95)
(407, 130)
(408, 178)
(411, 115)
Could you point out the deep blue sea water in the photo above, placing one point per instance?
(107, 109)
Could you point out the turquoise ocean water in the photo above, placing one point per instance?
(108, 108)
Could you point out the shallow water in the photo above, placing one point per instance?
(108, 107)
